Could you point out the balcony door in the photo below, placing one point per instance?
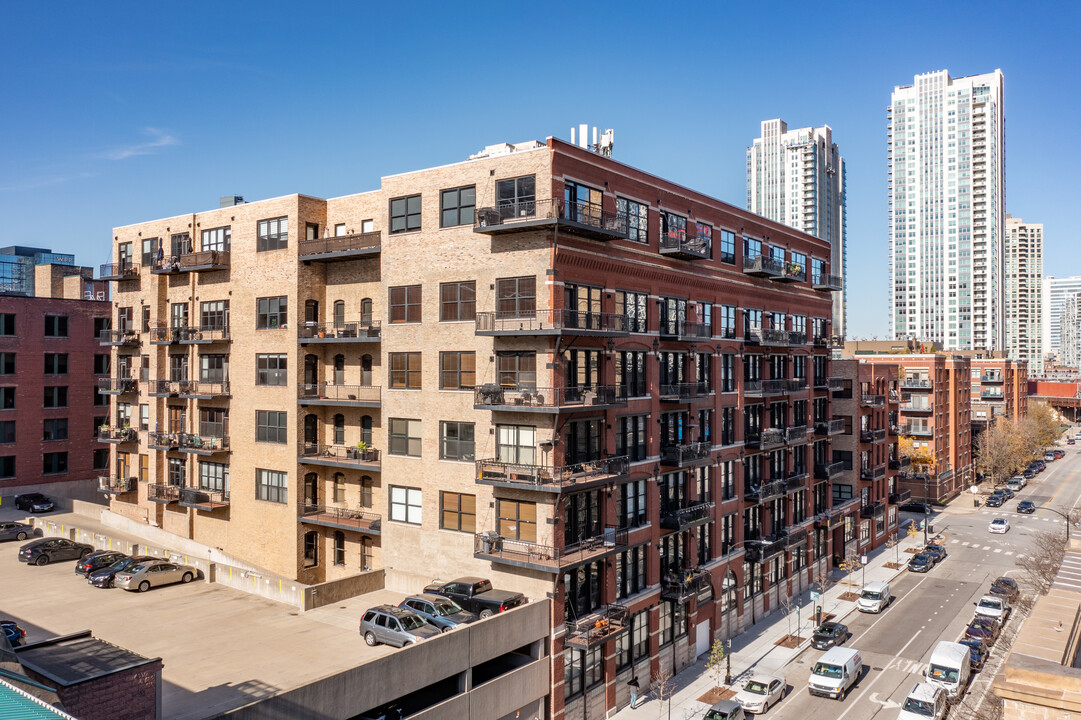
(311, 489)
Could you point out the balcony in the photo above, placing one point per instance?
(685, 585)
(768, 337)
(763, 266)
(795, 434)
(682, 392)
(765, 439)
(830, 427)
(551, 322)
(795, 385)
(339, 456)
(835, 384)
(117, 386)
(366, 396)
(687, 455)
(202, 390)
(551, 479)
(996, 378)
(869, 511)
(339, 331)
(118, 338)
(988, 394)
(597, 628)
(162, 493)
(870, 474)
(764, 492)
(794, 537)
(685, 247)
(872, 436)
(827, 283)
(201, 499)
(163, 440)
(109, 485)
(202, 261)
(759, 551)
(916, 383)
(795, 481)
(164, 335)
(685, 331)
(895, 397)
(903, 496)
(828, 471)
(163, 388)
(872, 401)
(203, 335)
(117, 435)
(202, 444)
(525, 398)
(917, 430)
(792, 272)
(686, 518)
(493, 547)
(917, 407)
(581, 219)
(118, 271)
(341, 247)
(340, 518)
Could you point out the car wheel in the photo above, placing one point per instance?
(446, 629)
(85, 552)
(42, 560)
(144, 586)
(369, 638)
(485, 613)
(187, 578)
(21, 536)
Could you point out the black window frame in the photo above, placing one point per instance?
(405, 214)
(457, 512)
(57, 398)
(264, 373)
(272, 234)
(276, 432)
(455, 300)
(399, 440)
(53, 429)
(277, 492)
(58, 363)
(405, 304)
(56, 326)
(268, 317)
(637, 215)
(457, 206)
(457, 448)
(54, 463)
(402, 378)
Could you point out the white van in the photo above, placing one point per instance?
(835, 672)
(949, 668)
(874, 597)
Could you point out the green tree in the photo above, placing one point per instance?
(1002, 449)
(715, 662)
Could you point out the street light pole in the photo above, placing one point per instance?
(1062, 515)
(926, 508)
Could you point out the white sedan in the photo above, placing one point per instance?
(760, 693)
(999, 525)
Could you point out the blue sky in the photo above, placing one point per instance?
(114, 113)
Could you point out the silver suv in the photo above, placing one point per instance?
(394, 626)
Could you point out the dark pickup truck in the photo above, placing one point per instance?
(476, 595)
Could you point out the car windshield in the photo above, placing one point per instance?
(753, 686)
(825, 670)
(139, 568)
(920, 559)
(716, 715)
(824, 632)
(943, 674)
(919, 707)
(411, 622)
(989, 603)
(121, 563)
(870, 595)
(446, 608)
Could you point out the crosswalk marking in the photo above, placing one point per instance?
(998, 550)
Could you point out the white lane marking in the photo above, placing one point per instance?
(871, 684)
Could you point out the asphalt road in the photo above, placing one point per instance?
(897, 643)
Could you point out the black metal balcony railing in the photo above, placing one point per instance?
(795, 481)
(202, 444)
(339, 331)
(875, 508)
(162, 493)
(752, 388)
(683, 585)
(773, 387)
(688, 247)
(872, 401)
(549, 478)
(194, 262)
(919, 430)
(163, 440)
(164, 335)
(913, 406)
(795, 537)
(202, 388)
(203, 335)
(835, 384)
(764, 439)
(683, 391)
(338, 455)
(830, 427)
(894, 397)
(795, 434)
(771, 337)
(583, 219)
(547, 558)
(341, 246)
(116, 485)
(551, 322)
(687, 517)
(162, 388)
(118, 271)
(763, 266)
(762, 550)
(117, 386)
(901, 496)
(685, 455)
(873, 473)
(826, 282)
(118, 337)
(826, 471)
(795, 385)
(916, 383)
(349, 395)
(987, 394)
(110, 434)
(764, 492)
(792, 272)
(340, 517)
(597, 628)
(545, 399)
(992, 378)
(203, 499)
(872, 436)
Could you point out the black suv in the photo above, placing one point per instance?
(921, 562)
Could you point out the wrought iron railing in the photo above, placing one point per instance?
(118, 337)
(339, 393)
(527, 396)
(315, 452)
(109, 433)
(116, 485)
(763, 265)
(683, 518)
(160, 492)
(117, 385)
(550, 320)
(341, 244)
(339, 330)
(118, 271)
(543, 476)
(680, 455)
(359, 520)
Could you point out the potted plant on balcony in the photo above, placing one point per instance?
(362, 451)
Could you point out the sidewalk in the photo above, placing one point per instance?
(754, 650)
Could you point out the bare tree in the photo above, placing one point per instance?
(787, 605)
(1001, 450)
(1039, 567)
(715, 662)
(664, 687)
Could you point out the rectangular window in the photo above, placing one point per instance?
(271, 370)
(54, 429)
(405, 304)
(405, 370)
(517, 369)
(273, 234)
(271, 426)
(516, 444)
(404, 437)
(631, 439)
(56, 396)
(636, 216)
(56, 326)
(271, 313)
(220, 238)
(271, 485)
(458, 512)
(517, 519)
(456, 441)
(456, 206)
(7, 363)
(405, 504)
(633, 305)
(7, 466)
(177, 471)
(56, 363)
(632, 504)
(516, 297)
(457, 370)
(214, 315)
(54, 462)
(516, 197)
(7, 323)
(728, 247)
(457, 301)
(102, 364)
(405, 214)
(631, 373)
(7, 432)
(101, 459)
(214, 476)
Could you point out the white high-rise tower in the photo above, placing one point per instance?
(947, 216)
(1023, 250)
(797, 177)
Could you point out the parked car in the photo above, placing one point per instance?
(394, 626)
(1029, 473)
(1006, 586)
(921, 562)
(476, 595)
(33, 502)
(996, 607)
(105, 577)
(442, 612)
(1050, 457)
(918, 507)
(978, 653)
(12, 632)
(1014, 485)
(1005, 491)
(15, 531)
(760, 693)
(938, 552)
(984, 629)
(999, 525)
(154, 573)
(924, 702)
(97, 560)
(1026, 506)
(1071, 441)
(1059, 453)
(725, 710)
(829, 634)
(45, 550)
(994, 500)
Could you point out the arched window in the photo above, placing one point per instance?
(339, 429)
(311, 489)
(311, 311)
(311, 549)
(366, 553)
(366, 370)
(311, 370)
(366, 312)
(339, 487)
(339, 547)
(339, 313)
(339, 369)
(311, 429)
(365, 492)
(366, 429)
(728, 593)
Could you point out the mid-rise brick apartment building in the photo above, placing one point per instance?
(541, 366)
(49, 401)
(999, 389)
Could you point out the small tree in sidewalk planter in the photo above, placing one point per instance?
(715, 662)
(664, 687)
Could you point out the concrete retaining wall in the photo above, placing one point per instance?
(335, 591)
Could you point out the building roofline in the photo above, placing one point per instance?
(203, 212)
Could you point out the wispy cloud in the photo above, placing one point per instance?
(36, 183)
(158, 138)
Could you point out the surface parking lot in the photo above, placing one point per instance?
(221, 648)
